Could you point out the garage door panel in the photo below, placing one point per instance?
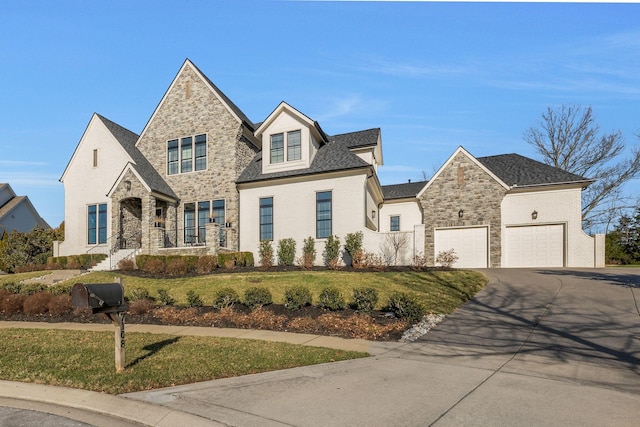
(469, 244)
(534, 246)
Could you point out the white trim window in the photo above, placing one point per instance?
(187, 154)
(266, 218)
(293, 145)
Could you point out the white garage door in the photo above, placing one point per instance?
(471, 245)
(536, 246)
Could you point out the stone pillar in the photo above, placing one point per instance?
(213, 237)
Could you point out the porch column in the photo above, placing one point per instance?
(213, 237)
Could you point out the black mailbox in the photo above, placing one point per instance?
(99, 297)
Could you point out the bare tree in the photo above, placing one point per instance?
(569, 138)
(393, 245)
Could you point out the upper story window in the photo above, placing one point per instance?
(182, 157)
(293, 144)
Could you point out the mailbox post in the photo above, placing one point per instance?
(107, 298)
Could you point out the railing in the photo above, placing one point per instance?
(116, 242)
(173, 238)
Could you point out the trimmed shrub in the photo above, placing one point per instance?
(126, 265)
(206, 264)
(32, 288)
(296, 297)
(353, 244)
(332, 252)
(406, 306)
(286, 251)
(164, 297)
(59, 304)
(331, 299)
(193, 299)
(153, 266)
(225, 297)
(37, 303)
(12, 303)
(266, 254)
(176, 267)
(364, 299)
(12, 287)
(60, 289)
(308, 253)
(256, 297)
(241, 259)
(141, 306)
(137, 294)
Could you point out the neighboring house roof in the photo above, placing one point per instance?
(403, 191)
(331, 157)
(17, 201)
(519, 171)
(144, 169)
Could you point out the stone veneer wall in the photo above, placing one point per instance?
(191, 108)
(463, 185)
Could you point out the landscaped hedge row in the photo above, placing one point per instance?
(176, 265)
(74, 262)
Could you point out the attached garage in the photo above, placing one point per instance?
(534, 246)
(471, 244)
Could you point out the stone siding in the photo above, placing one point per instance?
(191, 108)
(463, 185)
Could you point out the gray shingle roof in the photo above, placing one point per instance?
(331, 157)
(402, 191)
(517, 170)
(147, 172)
(363, 138)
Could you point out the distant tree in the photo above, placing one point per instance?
(569, 138)
(18, 249)
(622, 245)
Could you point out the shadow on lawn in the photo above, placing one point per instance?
(153, 349)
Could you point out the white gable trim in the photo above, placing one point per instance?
(128, 167)
(188, 63)
(283, 107)
(459, 150)
(94, 119)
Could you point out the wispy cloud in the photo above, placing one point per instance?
(405, 69)
(349, 105)
(30, 179)
(11, 163)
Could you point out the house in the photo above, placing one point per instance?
(202, 178)
(17, 213)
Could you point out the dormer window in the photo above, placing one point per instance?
(293, 145)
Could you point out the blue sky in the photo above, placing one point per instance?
(432, 76)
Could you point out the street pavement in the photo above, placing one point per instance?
(534, 347)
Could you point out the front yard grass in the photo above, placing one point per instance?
(85, 360)
(440, 291)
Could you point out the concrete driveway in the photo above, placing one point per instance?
(535, 347)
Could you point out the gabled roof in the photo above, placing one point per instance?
(146, 172)
(403, 191)
(519, 171)
(233, 108)
(331, 157)
(283, 107)
(17, 201)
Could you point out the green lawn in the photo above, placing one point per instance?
(440, 291)
(85, 360)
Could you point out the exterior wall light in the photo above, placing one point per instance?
(460, 213)
(534, 215)
(373, 214)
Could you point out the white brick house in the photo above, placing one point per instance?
(202, 177)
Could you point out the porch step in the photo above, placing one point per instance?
(111, 263)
